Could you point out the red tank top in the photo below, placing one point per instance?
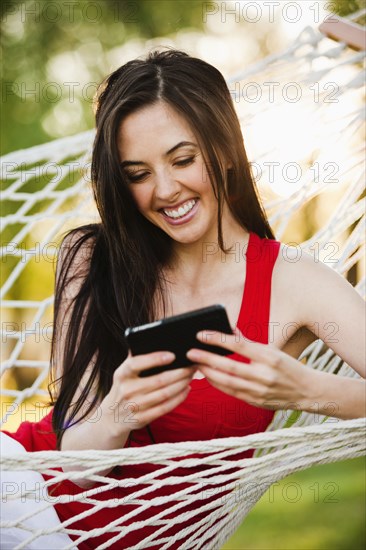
(206, 413)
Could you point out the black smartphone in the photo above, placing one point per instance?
(178, 335)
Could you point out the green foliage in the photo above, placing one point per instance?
(346, 7)
(41, 40)
(36, 78)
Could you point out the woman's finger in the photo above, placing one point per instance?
(232, 384)
(255, 351)
(133, 365)
(253, 392)
(150, 414)
(224, 364)
(154, 398)
(158, 382)
(145, 361)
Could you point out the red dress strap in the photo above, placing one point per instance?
(254, 314)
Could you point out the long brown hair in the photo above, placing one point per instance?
(128, 251)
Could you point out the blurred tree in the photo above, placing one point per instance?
(45, 44)
(346, 7)
(55, 52)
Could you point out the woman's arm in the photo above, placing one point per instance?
(328, 305)
(132, 402)
(93, 432)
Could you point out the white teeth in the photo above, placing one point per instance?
(182, 210)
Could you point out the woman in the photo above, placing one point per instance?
(182, 227)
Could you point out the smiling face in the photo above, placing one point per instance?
(167, 175)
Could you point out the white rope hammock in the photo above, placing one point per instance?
(45, 193)
(252, 477)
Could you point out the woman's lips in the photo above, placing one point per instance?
(184, 219)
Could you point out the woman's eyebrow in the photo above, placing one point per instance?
(180, 144)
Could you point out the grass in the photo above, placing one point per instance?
(320, 508)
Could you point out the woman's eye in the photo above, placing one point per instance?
(184, 162)
(136, 177)
(132, 177)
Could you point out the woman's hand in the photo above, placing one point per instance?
(133, 401)
(272, 379)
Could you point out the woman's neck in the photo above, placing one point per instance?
(203, 263)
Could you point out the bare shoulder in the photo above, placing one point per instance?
(303, 275)
(297, 256)
(310, 264)
(310, 283)
(323, 301)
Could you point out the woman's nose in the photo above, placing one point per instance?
(166, 187)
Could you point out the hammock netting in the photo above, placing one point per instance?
(46, 191)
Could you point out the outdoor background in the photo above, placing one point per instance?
(54, 54)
